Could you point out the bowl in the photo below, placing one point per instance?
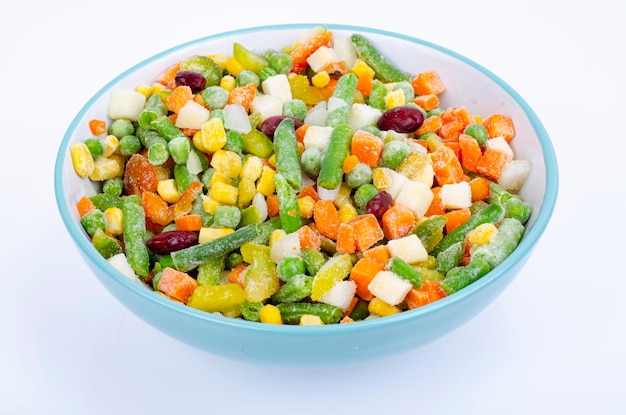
(467, 83)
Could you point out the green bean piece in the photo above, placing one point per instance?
(289, 211)
(405, 271)
(179, 148)
(430, 231)
(92, 221)
(296, 289)
(233, 259)
(113, 186)
(384, 69)
(364, 193)
(257, 144)
(129, 145)
(183, 177)
(295, 108)
(121, 127)
(136, 199)
(189, 258)
(460, 277)
(95, 146)
(106, 245)
(158, 151)
(361, 174)
(331, 171)
(292, 312)
(103, 201)
(313, 259)
(286, 150)
(197, 208)
(343, 97)
(210, 271)
(360, 310)
(234, 142)
(155, 107)
(492, 214)
(377, 95)
(265, 230)
(134, 231)
(517, 208)
(290, 266)
(280, 62)
(394, 152)
(449, 258)
(226, 217)
(509, 235)
(311, 161)
(250, 310)
(246, 77)
(203, 65)
(266, 72)
(215, 97)
(477, 206)
(166, 127)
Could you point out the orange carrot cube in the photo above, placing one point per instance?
(470, 152)
(346, 243)
(362, 273)
(492, 162)
(177, 284)
(499, 125)
(427, 83)
(367, 147)
(367, 231)
(379, 254)
(398, 221)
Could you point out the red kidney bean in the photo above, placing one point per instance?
(379, 204)
(403, 119)
(268, 126)
(193, 80)
(168, 242)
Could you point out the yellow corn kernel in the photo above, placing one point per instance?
(212, 136)
(105, 168)
(395, 99)
(145, 90)
(218, 176)
(210, 234)
(224, 193)
(159, 88)
(82, 159)
(110, 145)
(311, 320)
(209, 204)
(168, 190)
(266, 185)
(270, 314)
(381, 179)
(252, 168)
(220, 59)
(343, 196)
(233, 66)
(114, 221)
(347, 212)
(478, 119)
(276, 235)
(228, 82)
(320, 79)
(272, 160)
(379, 307)
(362, 69)
(306, 205)
(482, 234)
(227, 162)
(247, 190)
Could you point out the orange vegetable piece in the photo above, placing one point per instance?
(301, 132)
(470, 152)
(398, 221)
(350, 163)
(362, 273)
(480, 188)
(97, 127)
(178, 98)
(302, 51)
(326, 218)
(379, 253)
(436, 206)
(84, 206)
(367, 231)
(184, 204)
(346, 313)
(139, 176)
(434, 290)
(191, 222)
(309, 191)
(367, 147)
(458, 114)
(156, 209)
(431, 124)
(456, 218)
(168, 77)
(499, 125)
(346, 243)
(336, 69)
(431, 291)
(237, 275)
(450, 131)
(455, 147)
(309, 238)
(447, 166)
(427, 102)
(243, 95)
(492, 162)
(177, 284)
(272, 206)
(427, 83)
(365, 83)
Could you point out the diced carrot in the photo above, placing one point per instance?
(97, 127)
(436, 206)
(379, 253)
(346, 320)
(470, 152)
(177, 284)
(272, 206)
(197, 98)
(362, 273)
(427, 102)
(447, 166)
(309, 191)
(326, 218)
(191, 222)
(434, 290)
(431, 124)
(492, 162)
(450, 131)
(184, 203)
(427, 83)
(168, 76)
(458, 114)
(398, 221)
(416, 298)
(350, 163)
(367, 231)
(84, 206)
(499, 125)
(365, 82)
(301, 132)
(480, 188)
(336, 69)
(156, 209)
(456, 217)
(308, 238)
(139, 175)
(237, 274)
(302, 51)
(178, 98)
(243, 95)
(454, 146)
(367, 147)
(346, 243)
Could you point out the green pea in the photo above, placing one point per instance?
(95, 146)
(361, 174)
(226, 217)
(215, 97)
(129, 145)
(121, 127)
(479, 132)
(372, 129)
(295, 108)
(289, 266)
(311, 161)
(233, 259)
(246, 77)
(394, 152)
(364, 193)
(113, 186)
(234, 142)
(218, 113)
(407, 90)
(280, 62)
(434, 112)
(377, 95)
(266, 72)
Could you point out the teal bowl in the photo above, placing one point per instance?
(467, 82)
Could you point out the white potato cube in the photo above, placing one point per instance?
(340, 295)
(328, 194)
(396, 182)
(361, 115)
(194, 164)
(192, 115)
(120, 263)
(408, 248)
(345, 50)
(277, 86)
(267, 106)
(322, 57)
(317, 115)
(417, 196)
(288, 245)
(236, 118)
(514, 174)
(126, 103)
(317, 136)
(456, 195)
(389, 287)
(500, 143)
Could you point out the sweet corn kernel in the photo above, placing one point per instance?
(227, 162)
(228, 82)
(218, 176)
(210, 234)
(247, 191)
(266, 185)
(82, 159)
(168, 190)
(362, 69)
(114, 221)
(311, 320)
(320, 79)
(381, 308)
(252, 168)
(394, 99)
(306, 205)
(478, 119)
(110, 145)
(105, 168)
(482, 234)
(224, 193)
(276, 235)
(212, 136)
(343, 196)
(145, 90)
(159, 88)
(220, 59)
(209, 204)
(300, 148)
(347, 212)
(270, 314)
(381, 179)
(233, 66)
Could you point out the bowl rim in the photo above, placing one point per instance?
(524, 248)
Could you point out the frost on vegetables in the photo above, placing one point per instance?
(318, 184)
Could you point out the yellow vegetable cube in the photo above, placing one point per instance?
(228, 82)
(210, 234)
(270, 314)
(110, 145)
(276, 235)
(266, 185)
(311, 320)
(347, 212)
(362, 69)
(209, 205)
(82, 159)
(224, 193)
(320, 79)
(380, 308)
(105, 168)
(306, 205)
(233, 66)
(168, 190)
(212, 136)
(252, 168)
(227, 162)
(395, 99)
(220, 58)
(114, 221)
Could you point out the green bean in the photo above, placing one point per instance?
(134, 231)
(166, 127)
(517, 208)
(179, 148)
(360, 310)
(103, 201)
(234, 142)
(155, 107)
(509, 234)
(343, 97)
(250, 310)
(210, 271)
(266, 72)
(295, 108)
(265, 230)
(377, 95)
(158, 152)
(296, 289)
(183, 178)
(384, 69)
(399, 267)
(189, 258)
(449, 258)
(233, 259)
(331, 170)
(129, 145)
(290, 266)
(106, 245)
(286, 150)
(289, 211)
(430, 231)
(461, 277)
(292, 312)
(313, 259)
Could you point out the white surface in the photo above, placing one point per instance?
(554, 343)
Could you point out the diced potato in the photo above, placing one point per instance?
(408, 248)
(278, 86)
(456, 195)
(192, 115)
(389, 287)
(126, 103)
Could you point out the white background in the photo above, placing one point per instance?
(553, 343)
